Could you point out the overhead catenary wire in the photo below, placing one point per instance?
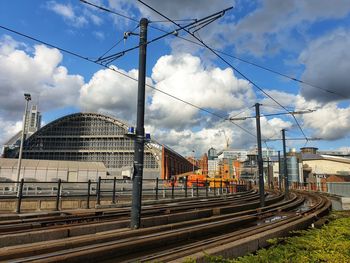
(116, 44)
(123, 74)
(210, 18)
(309, 84)
(229, 64)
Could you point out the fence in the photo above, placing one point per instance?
(113, 189)
(336, 188)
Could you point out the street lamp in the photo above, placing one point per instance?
(27, 97)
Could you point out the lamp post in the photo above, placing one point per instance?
(27, 97)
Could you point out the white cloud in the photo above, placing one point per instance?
(74, 16)
(329, 122)
(64, 10)
(8, 128)
(183, 141)
(186, 78)
(271, 128)
(284, 98)
(39, 74)
(110, 92)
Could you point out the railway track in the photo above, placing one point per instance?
(27, 224)
(173, 236)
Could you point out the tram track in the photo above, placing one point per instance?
(119, 243)
(103, 215)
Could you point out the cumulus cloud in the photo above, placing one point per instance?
(185, 77)
(284, 98)
(38, 72)
(329, 122)
(110, 92)
(327, 65)
(184, 141)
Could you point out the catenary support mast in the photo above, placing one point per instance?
(140, 131)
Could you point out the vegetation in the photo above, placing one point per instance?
(331, 243)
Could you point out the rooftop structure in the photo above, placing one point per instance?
(93, 137)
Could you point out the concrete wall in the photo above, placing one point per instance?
(50, 174)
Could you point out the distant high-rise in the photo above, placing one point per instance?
(212, 154)
(33, 121)
(33, 124)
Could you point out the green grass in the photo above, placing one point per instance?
(331, 243)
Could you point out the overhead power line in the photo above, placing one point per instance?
(123, 74)
(229, 64)
(198, 22)
(293, 139)
(307, 83)
(272, 114)
(116, 44)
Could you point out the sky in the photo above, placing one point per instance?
(307, 40)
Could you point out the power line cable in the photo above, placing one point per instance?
(202, 22)
(221, 52)
(229, 64)
(123, 74)
(109, 10)
(116, 44)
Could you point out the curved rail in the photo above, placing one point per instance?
(173, 240)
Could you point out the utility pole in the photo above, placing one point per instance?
(279, 172)
(193, 162)
(285, 170)
(260, 159)
(27, 97)
(140, 131)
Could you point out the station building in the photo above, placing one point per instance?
(94, 137)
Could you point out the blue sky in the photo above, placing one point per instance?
(307, 40)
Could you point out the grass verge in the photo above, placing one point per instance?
(330, 243)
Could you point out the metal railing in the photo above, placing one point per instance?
(113, 189)
(335, 188)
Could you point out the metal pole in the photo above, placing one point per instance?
(214, 187)
(140, 131)
(20, 195)
(157, 186)
(186, 186)
(206, 187)
(197, 188)
(27, 98)
(193, 161)
(98, 197)
(279, 172)
(88, 195)
(114, 183)
(285, 164)
(172, 188)
(221, 190)
(260, 159)
(58, 194)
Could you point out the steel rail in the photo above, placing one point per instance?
(174, 232)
